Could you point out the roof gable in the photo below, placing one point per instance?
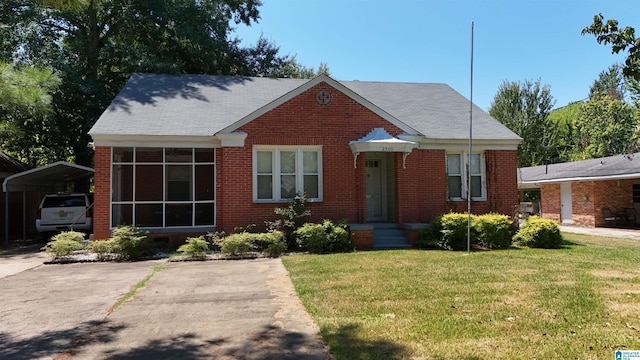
(310, 84)
(197, 107)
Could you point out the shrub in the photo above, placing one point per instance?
(64, 244)
(454, 231)
(324, 238)
(271, 243)
(102, 248)
(494, 231)
(430, 237)
(130, 243)
(236, 244)
(539, 233)
(291, 218)
(194, 247)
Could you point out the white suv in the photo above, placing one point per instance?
(62, 212)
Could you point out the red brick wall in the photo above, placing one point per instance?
(550, 201)
(614, 194)
(588, 199)
(102, 183)
(501, 184)
(301, 121)
(420, 188)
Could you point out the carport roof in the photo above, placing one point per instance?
(46, 178)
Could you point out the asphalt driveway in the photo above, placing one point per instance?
(245, 309)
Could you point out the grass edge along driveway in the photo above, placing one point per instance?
(579, 302)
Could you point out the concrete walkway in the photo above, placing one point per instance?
(18, 260)
(601, 231)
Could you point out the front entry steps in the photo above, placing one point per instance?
(388, 236)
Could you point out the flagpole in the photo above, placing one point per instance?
(470, 148)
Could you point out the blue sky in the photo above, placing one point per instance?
(430, 41)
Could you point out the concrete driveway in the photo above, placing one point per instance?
(244, 309)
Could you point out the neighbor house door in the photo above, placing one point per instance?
(375, 190)
(565, 203)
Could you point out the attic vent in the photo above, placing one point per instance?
(323, 97)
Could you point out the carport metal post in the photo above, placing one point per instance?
(6, 218)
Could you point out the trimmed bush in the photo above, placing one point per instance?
(324, 238)
(539, 233)
(64, 244)
(103, 248)
(494, 231)
(130, 243)
(454, 231)
(272, 243)
(430, 237)
(194, 247)
(236, 244)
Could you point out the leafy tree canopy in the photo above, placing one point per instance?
(524, 107)
(621, 39)
(95, 45)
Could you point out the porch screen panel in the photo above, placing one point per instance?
(148, 184)
(163, 187)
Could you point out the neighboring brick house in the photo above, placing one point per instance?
(194, 153)
(588, 193)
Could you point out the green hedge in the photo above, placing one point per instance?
(272, 243)
(494, 231)
(539, 233)
(449, 231)
(324, 238)
(64, 243)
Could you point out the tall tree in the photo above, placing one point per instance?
(523, 107)
(94, 45)
(621, 39)
(603, 127)
(610, 82)
(560, 132)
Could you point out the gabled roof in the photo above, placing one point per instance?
(606, 168)
(48, 178)
(204, 105)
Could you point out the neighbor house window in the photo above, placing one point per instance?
(163, 187)
(458, 164)
(281, 173)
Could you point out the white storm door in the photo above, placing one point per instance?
(374, 190)
(565, 203)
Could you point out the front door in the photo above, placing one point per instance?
(566, 212)
(375, 187)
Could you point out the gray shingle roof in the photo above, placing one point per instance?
(613, 166)
(202, 105)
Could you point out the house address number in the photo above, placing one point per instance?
(389, 149)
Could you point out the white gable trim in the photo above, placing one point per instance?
(310, 84)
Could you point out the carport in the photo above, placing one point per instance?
(50, 178)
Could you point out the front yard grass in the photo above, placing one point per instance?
(578, 302)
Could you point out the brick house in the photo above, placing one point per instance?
(588, 193)
(194, 153)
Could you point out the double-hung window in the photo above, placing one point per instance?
(458, 165)
(281, 173)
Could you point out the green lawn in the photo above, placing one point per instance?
(579, 302)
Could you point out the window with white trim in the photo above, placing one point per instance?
(457, 166)
(282, 172)
(162, 187)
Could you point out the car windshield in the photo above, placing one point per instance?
(63, 201)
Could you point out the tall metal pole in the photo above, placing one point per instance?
(470, 148)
